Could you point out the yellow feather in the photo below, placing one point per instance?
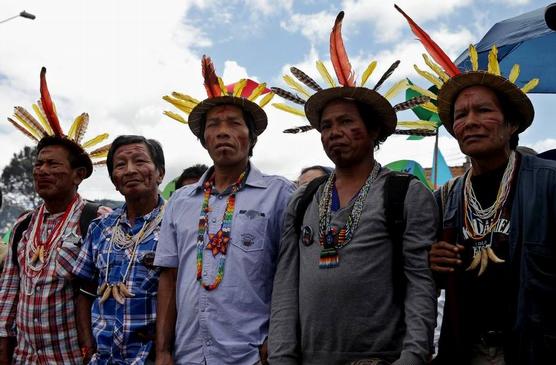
(75, 125)
(430, 77)
(514, 73)
(23, 129)
(325, 74)
(222, 86)
(289, 109)
(239, 86)
(175, 116)
(23, 113)
(184, 106)
(530, 85)
(417, 124)
(29, 127)
(42, 119)
(422, 91)
(474, 57)
(296, 85)
(437, 69)
(493, 66)
(82, 128)
(395, 89)
(267, 98)
(257, 91)
(430, 107)
(94, 141)
(185, 98)
(367, 73)
(100, 152)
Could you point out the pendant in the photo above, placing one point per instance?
(329, 258)
(307, 236)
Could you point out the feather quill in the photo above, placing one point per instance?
(287, 95)
(418, 124)
(430, 107)
(338, 54)
(386, 75)
(182, 105)
(82, 128)
(437, 69)
(222, 86)
(474, 57)
(94, 141)
(48, 106)
(239, 86)
(23, 113)
(39, 112)
(257, 91)
(432, 48)
(28, 126)
(99, 152)
(530, 85)
(411, 103)
(267, 98)
(23, 130)
(211, 80)
(325, 74)
(416, 132)
(367, 73)
(422, 91)
(77, 125)
(289, 109)
(175, 116)
(493, 66)
(514, 73)
(305, 79)
(430, 77)
(395, 89)
(296, 85)
(300, 129)
(185, 98)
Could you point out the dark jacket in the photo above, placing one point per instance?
(530, 328)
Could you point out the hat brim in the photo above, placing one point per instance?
(199, 112)
(385, 114)
(451, 89)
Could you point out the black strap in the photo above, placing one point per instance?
(305, 200)
(395, 191)
(89, 213)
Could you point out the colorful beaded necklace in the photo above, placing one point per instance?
(217, 242)
(331, 239)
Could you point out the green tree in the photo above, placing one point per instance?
(17, 177)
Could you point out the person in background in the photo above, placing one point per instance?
(190, 175)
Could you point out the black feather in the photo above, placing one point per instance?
(411, 103)
(301, 129)
(305, 79)
(287, 95)
(386, 75)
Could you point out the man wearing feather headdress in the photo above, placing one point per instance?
(496, 255)
(37, 290)
(219, 238)
(353, 283)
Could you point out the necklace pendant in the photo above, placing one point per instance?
(307, 236)
(329, 258)
(35, 256)
(329, 238)
(41, 254)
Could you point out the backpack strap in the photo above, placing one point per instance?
(89, 213)
(305, 200)
(19, 229)
(395, 191)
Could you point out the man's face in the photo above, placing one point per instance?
(134, 174)
(227, 136)
(479, 124)
(343, 134)
(53, 175)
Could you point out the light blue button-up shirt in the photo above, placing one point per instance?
(226, 325)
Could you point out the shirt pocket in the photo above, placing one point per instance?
(66, 258)
(251, 228)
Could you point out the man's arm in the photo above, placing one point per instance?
(166, 316)
(84, 302)
(421, 214)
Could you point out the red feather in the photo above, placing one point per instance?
(211, 80)
(338, 54)
(48, 106)
(432, 48)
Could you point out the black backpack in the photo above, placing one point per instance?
(87, 215)
(395, 190)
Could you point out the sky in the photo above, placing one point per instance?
(116, 59)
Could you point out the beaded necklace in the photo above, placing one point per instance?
(330, 237)
(487, 218)
(217, 242)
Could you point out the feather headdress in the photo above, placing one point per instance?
(242, 93)
(48, 123)
(313, 97)
(450, 81)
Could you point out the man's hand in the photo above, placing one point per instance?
(164, 358)
(444, 256)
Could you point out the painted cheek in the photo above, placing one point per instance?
(358, 133)
(458, 128)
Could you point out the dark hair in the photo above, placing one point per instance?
(325, 170)
(511, 116)
(192, 172)
(249, 122)
(77, 156)
(155, 150)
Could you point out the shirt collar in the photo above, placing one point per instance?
(147, 217)
(254, 179)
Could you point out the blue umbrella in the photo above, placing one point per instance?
(528, 40)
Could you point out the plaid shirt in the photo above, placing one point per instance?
(40, 312)
(124, 334)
